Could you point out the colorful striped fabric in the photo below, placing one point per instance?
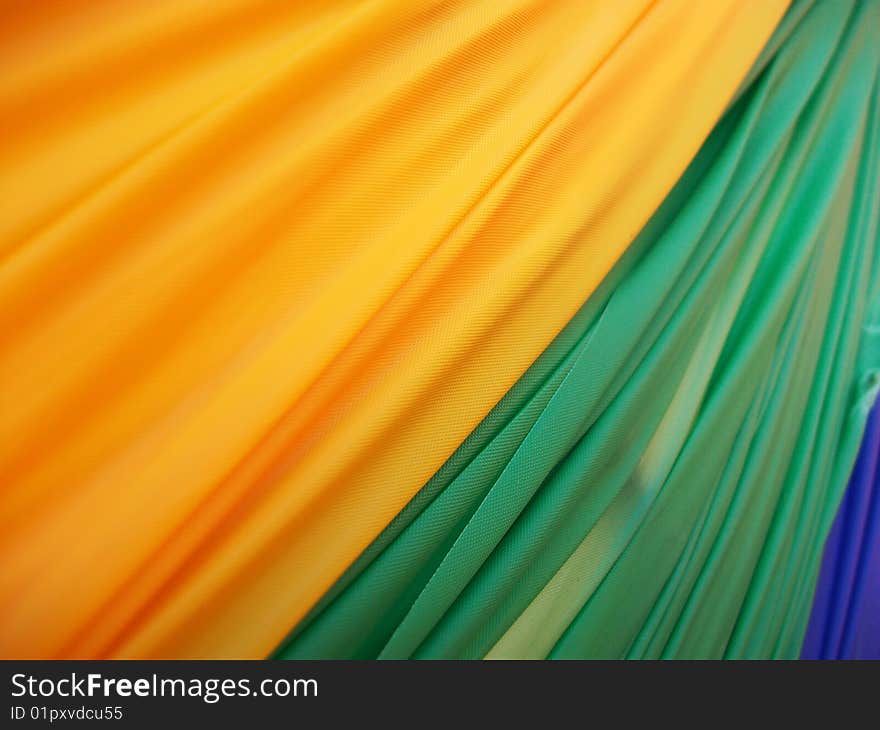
(470, 329)
(661, 486)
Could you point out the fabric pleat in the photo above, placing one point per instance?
(659, 484)
(845, 617)
(264, 266)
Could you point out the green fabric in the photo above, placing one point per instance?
(661, 480)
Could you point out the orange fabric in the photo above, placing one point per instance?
(265, 265)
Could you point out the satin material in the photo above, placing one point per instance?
(845, 618)
(660, 482)
(266, 265)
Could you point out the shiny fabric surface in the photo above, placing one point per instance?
(264, 266)
(661, 481)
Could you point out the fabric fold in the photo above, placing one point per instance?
(660, 482)
(268, 265)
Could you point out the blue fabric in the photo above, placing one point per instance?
(845, 620)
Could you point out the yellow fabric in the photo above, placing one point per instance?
(263, 266)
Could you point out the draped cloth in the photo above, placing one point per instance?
(660, 482)
(269, 264)
(845, 618)
(418, 327)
